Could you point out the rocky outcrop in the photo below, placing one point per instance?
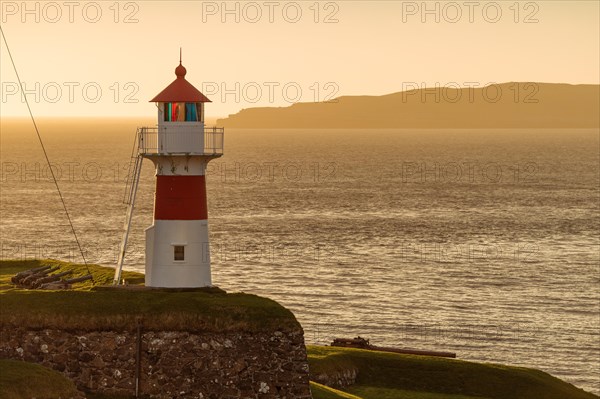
(173, 364)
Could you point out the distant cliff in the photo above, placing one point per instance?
(507, 105)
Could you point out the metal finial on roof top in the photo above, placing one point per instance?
(180, 71)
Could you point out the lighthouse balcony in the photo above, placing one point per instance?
(184, 139)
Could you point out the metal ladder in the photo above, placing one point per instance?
(131, 186)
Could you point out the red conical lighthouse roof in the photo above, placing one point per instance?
(180, 90)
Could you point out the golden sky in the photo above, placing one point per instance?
(108, 58)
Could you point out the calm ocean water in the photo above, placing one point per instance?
(484, 243)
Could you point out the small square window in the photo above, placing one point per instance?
(178, 252)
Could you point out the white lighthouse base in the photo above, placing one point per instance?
(164, 266)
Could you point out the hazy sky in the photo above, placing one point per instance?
(99, 58)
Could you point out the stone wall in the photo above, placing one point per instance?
(341, 378)
(174, 364)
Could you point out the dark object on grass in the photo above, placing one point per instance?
(40, 278)
(27, 280)
(49, 279)
(362, 343)
(65, 284)
(26, 273)
(358, 342)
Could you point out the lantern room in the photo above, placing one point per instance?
(181, 121)
(180, 101)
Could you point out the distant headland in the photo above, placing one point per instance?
(506, 105)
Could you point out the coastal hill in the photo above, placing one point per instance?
(114, 342)
(105, 341)
(507, 105)
(347, 373)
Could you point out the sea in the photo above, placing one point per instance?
(480, 242)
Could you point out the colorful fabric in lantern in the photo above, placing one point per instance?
(190, 112)
(180, 112)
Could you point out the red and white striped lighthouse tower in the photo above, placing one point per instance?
(177, 245)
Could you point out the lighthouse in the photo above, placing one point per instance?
(180, 147)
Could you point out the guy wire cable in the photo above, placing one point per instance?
(46, 155)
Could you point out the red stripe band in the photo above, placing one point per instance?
(180, 198)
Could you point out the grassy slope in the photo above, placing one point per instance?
(324, 392)
(90, 308)
(389, 375)
(20, 380)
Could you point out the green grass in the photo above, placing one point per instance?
(20, 380)
(390, 393)
(106, 308)
(102, 275)
(324, 392)
(389, 375)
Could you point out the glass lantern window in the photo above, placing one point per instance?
(182, 112)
